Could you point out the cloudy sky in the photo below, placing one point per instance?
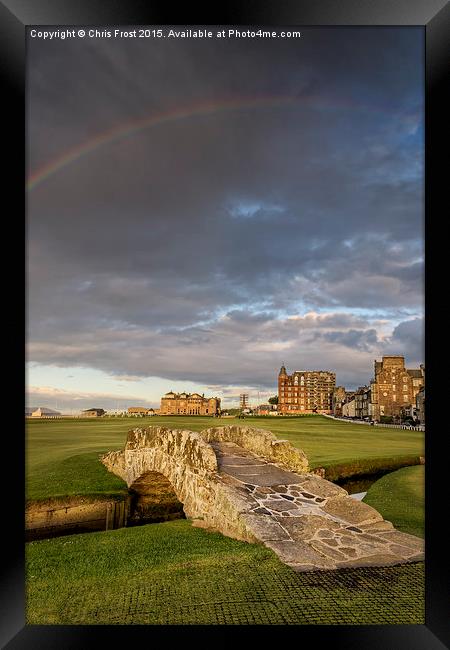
(200, 212)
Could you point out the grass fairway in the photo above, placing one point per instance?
(400, 498)
(173, 573)
(62, 455)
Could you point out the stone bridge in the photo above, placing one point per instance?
(249, 485)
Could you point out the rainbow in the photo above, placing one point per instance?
(37, 177)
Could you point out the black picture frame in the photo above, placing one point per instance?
(434, 17)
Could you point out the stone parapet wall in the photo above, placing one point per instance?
(114, 461)
(188, 446)
(262, 443)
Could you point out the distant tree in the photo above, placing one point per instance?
(233, 411)
(273, 400)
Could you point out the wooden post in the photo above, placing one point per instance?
(108, 511)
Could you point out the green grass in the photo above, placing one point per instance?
(173, 573)
(400, 498)
(80, 474)
(62, 455)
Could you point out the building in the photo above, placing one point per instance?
(338, 400)
(418, 378)
(394, 387)
(362, 402)
(140, 410)
(408, 413)
(43, 412)
(264, 409)
(349, 408)
(93, 413)
(366, 410)
(305, 391)
(420, 405)
(189, 404)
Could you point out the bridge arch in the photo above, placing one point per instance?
(184, 458)
(152, 499)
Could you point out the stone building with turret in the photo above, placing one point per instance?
(305, 391)
(189, 404)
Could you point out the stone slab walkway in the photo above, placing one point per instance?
(308, 522)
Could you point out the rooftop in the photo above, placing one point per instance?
(171, 394)
(43, 410)
(415, 373)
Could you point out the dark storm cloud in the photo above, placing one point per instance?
(354, 339)
(407, 338)
(159, 253)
